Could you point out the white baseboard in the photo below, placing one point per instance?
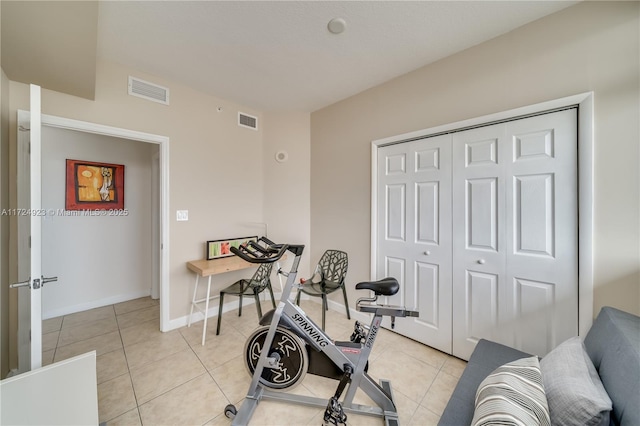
(67, 310)
(355, 315)
(233, 305)
(339, 307)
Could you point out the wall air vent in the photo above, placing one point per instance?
(249, 121)
(148, 91)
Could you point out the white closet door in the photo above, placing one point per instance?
(515, 245)
(478, 237)
(414, 234)
(542, 245)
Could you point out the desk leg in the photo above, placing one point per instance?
(206, 310)
(193, 300)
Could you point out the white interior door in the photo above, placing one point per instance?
(29, 236)
(515, 234)
(65, 394)
(414, 235)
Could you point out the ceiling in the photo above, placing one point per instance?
(279, 55)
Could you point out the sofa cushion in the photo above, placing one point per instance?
(512, 394)
(613, 344)
(574, 391)
(486, 357)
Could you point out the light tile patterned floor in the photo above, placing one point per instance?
(146, 377)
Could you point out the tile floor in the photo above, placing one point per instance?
(146, 377)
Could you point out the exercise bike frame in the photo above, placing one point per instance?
(292, 317)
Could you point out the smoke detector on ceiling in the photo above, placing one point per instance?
(282, 156)
(336, 25)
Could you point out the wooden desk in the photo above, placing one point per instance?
(208, 268)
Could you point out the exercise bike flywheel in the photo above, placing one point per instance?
(288, 353)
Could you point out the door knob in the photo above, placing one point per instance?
(427, 253)
(481, 261)
(49, 280)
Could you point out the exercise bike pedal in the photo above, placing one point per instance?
(334, 414)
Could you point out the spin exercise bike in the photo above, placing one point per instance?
(289, 344)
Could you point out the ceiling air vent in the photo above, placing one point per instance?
(149, 91)
(249, 121)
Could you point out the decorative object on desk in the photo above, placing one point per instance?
(222, 248)
(94, 186)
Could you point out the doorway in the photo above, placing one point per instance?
(162, 206)
(101, 257)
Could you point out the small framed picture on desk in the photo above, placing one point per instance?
(222, 248)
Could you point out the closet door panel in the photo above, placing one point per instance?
(414, 235)
(478, 236)
(481, 304)
(481, 214)
(542, 250)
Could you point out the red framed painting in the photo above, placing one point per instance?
(94, 186)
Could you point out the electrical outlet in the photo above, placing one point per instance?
(182, 215)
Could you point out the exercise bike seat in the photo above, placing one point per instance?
(384, 287)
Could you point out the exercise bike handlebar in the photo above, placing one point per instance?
(255, 253)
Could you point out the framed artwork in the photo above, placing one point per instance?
(94, 186)
(222, 248)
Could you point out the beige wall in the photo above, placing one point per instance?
(593, 46)
(286, 184)
(216, 167)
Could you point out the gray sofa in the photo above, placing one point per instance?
(613, 345)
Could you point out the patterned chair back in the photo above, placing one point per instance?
(261, 277)
(332, 267)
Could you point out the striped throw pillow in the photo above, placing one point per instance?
(513, 394)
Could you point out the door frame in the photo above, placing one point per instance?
(163, 149)
(155, 222)
(586, 134)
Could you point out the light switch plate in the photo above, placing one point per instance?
(182, 215)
